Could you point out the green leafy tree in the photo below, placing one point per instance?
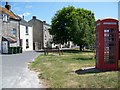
(83, 32)
(61, 25)
(76, 25)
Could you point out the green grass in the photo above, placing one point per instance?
(58, 71)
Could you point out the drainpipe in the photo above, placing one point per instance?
(19, 30)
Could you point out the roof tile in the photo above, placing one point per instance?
(10, 13)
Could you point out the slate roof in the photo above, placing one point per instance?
(23, 22)
(9, 39)
(46, 24)
(36, 20)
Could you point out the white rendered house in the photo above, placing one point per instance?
(26, 36)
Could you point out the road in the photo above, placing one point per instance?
(15, 72)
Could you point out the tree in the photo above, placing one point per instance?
(61, 25)
(84, 28)
(76, 25)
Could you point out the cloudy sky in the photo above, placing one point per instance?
(46, 10)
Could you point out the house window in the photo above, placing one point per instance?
(14, 31)
(27, 43)
(4, 17)
(26, 30)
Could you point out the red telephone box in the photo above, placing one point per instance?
(107, 44)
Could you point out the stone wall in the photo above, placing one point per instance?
(7, 29)
(37, 32)
(47, 37)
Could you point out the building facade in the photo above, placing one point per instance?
(26, 36)
(37, 33)
(0, 30)
(41, 36)
(10, 26)
(47, 37)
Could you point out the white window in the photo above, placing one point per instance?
(4, 17)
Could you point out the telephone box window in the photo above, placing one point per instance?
(109, 40)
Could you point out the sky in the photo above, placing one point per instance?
(46, 10)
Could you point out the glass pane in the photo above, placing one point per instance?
(109, 46)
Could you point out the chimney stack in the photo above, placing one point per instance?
(34, 17)
(44, 21)
(7, 6)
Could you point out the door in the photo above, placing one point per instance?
(5, 47)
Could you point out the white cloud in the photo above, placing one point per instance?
(24, 14)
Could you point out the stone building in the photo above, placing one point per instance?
(47, 38)
(41, 35)
(9, 28)
(37, 33)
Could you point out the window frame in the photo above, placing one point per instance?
(27, 43)
(14, 31)
(26, 30)
(5, 17)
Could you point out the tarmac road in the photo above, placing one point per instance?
(15, 72)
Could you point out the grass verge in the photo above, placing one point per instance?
(59, 71)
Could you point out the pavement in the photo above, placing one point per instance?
(15, 72)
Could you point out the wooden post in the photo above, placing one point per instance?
(59, 51)
(44, 51)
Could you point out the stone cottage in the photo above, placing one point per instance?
(10, 29)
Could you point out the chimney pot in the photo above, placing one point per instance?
(44, 21)
(34, 17)
(7, 6)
